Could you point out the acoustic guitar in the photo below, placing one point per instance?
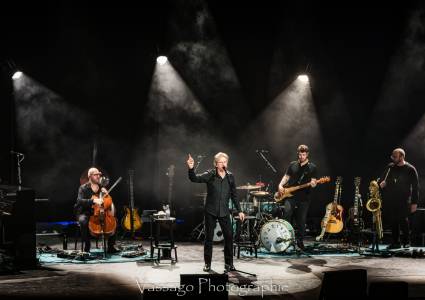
(332, 221)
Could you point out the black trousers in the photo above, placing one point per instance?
(226, 228)
(83, 220)
(296, 210)
(397, 223)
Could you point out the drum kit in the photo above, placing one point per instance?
(275, 235)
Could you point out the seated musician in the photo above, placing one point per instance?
(83, 208)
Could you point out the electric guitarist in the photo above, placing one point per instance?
(298, 172)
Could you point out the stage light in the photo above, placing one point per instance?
(161, 60)
(303, 78)
(17, 75)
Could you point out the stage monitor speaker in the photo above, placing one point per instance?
(18, 227)
(210, 285)
(349, 284)
(417, 225)
(388, 290)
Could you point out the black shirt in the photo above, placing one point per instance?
(219, 191)
(401, 186)
(84, 201)
(301, 174)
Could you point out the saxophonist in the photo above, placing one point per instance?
(400, 193)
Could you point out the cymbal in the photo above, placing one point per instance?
(200, 195)
(260, 193)
(248, 187)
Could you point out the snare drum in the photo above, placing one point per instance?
(277, 235)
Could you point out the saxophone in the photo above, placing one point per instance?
(374, 205)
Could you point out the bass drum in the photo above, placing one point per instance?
(277, 235)
(218, 234)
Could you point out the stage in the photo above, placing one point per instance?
(278, 276)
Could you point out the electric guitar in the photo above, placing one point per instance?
(278, 197)
(131, 221)
(355, 219)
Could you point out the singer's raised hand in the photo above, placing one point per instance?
(190, 162)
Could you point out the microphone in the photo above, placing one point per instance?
(17, 153)
(201, 156)
(225, 170)
(262, 151)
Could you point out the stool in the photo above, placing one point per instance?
(245, 236)
(78, 239)
(159, 245)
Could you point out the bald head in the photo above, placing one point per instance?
(398, 156)
(94, 175)
(400, 151)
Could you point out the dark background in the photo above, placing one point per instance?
(89, 81)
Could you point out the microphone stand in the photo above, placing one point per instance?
(236, 270)
(19, 158)
(198, 162)
(267, 162)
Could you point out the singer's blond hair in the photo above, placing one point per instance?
(218, 155)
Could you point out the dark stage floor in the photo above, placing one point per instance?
(279, 276)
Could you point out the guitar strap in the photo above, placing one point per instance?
(307, 169)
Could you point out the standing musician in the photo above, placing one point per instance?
(220, 188)
(83, 208)
(400, 192)
(298, 172)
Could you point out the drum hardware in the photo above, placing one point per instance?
(247, 206)
(199, 231)
(267, 162)
(245, 232)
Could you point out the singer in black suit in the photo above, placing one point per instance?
(221, 188)
(400, 194)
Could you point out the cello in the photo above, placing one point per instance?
(102, 222)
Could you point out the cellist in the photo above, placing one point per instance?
(83, 207)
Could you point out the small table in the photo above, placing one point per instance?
(161, 245)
